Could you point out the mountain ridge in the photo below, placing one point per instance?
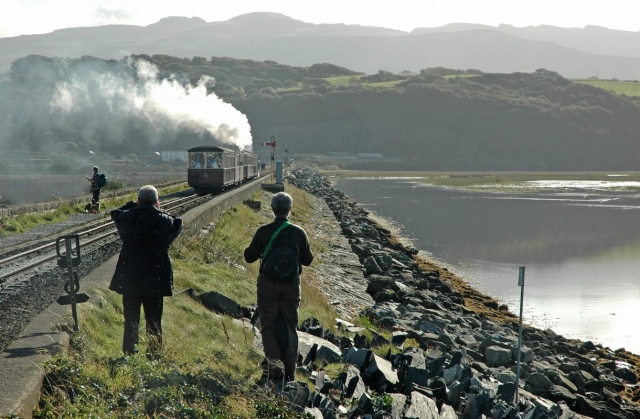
(275, 36)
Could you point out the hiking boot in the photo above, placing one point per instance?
(273, 369)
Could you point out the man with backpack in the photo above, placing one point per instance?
(98, 180)
(283, 248)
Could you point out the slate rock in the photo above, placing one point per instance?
(507, 392)
(447, 412)
(325, 350)
(358, 357)
(506, 377)
(577, 379)
(379, 373)
(565, 382)
(497, 356)
(429, 327)
(398, 338)
(595, 409)
(567, 367)
(467, 341)
(297, 394)
(313, 327)
(421, 407)
(398, 401)
(537, 383)
(314, 412)
(558, 393)
(371, 266)
(217, 302)
(477, 404)
(452, 374)
(435, 366)
(354, 385)
(626, 374)
(526, 354)
(459, 357)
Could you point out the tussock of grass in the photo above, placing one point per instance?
(208, 366)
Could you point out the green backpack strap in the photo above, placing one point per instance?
(275, 234)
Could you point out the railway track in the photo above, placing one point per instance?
(30, 279)
(25, 259)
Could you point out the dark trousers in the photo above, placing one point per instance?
(96, 195)
(278, 305)
(153, 314)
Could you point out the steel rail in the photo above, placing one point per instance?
(171, 205)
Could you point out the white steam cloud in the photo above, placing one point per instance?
(165, 103)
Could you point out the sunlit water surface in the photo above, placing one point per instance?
(581, 250)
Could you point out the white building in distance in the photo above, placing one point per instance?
(175, 155)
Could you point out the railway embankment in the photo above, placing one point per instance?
(458, 347)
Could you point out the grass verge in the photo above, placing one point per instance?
(208, 366)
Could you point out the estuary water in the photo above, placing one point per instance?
(580, 249)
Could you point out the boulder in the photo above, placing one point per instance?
(217, 302)
(537, 383)
(497, 356)
(371, 266)
(324, 350)
(396, 410)
(379, 373)
(421, 407)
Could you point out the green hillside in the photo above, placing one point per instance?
(438, 119)
(518, 121)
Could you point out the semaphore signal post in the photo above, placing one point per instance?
(272, 144)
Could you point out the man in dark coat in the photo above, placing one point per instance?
(278, 301)
(143, 274)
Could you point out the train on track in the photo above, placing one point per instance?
(214, 169)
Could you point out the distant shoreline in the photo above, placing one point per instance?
(509, 182)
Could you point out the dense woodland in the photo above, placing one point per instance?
(519, 121)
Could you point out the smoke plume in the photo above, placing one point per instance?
(164, 103)
(111, 107)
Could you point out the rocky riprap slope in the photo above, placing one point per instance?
(462, 363)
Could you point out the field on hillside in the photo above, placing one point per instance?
(629, 88)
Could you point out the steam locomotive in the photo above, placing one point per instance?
(214, 169)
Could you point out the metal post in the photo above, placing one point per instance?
(72, 288)
(68, 261)
(273, 157)
(521, 285)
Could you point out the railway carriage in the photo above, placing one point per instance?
(250, 165)
(213, 169)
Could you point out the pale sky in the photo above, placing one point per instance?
(42, 16)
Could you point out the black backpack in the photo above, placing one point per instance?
(281, 258)
(102, 180)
